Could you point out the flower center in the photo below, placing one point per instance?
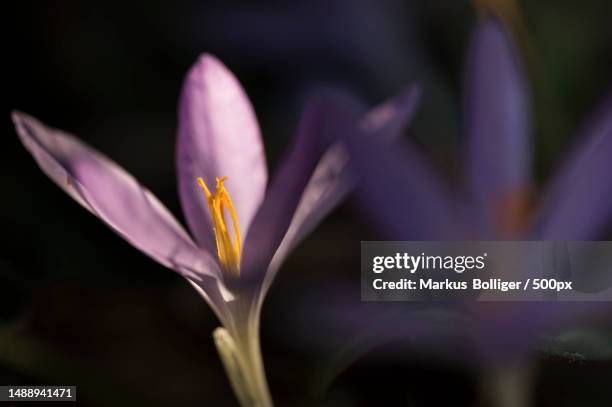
(228, 246)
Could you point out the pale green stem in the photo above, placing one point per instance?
(241, 356)
(510, 385)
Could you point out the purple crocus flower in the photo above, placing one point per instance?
(406, 198)
(493, 203)
(242, 227)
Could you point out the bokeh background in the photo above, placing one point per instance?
(79, 306)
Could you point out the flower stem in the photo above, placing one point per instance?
(241, 357)
(510, 385)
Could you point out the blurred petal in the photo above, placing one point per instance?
(578, 204)
(332, 179)
(402, 194)
(498, 152)
(391, 118)
(218, 136)
(114, 196)
(322, 117)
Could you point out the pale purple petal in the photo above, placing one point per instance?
(321, 118)
(218, 136)
(498, 143)
(332, 181)
(114, 196)
(578, 204)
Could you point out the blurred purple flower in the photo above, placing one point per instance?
(407, 199)
(495, 202)
(219, 143)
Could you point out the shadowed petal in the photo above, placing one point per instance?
(218, 136)
(114, 196)
(578, 204)
(497, 145)
(389, 119)
(332, 179)
(321, 118)
(401, 192)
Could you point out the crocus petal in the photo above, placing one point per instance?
(287, 188)
(403, 195)
(497, 144)
(332, 180)
(218, 136)
(114, 196)
(389, 119)
(578, 204)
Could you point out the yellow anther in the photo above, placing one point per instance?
(228, 249)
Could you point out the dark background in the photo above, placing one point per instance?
(79, 306)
